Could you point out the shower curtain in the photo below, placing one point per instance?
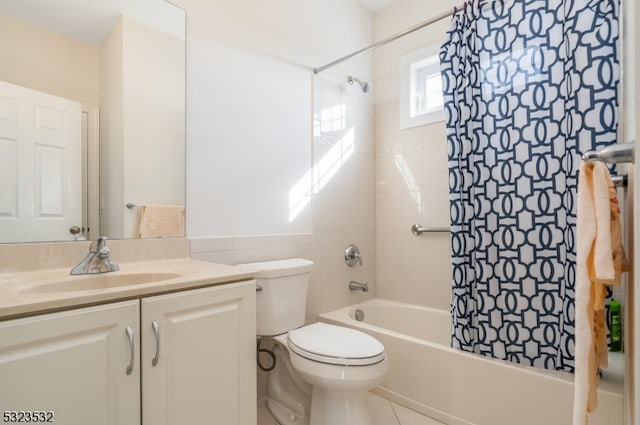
(529, 86)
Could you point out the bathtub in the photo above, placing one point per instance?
(459, 388)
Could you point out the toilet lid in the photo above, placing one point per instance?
(335, 345)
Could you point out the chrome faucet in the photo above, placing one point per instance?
(357, 286)
(97, 260)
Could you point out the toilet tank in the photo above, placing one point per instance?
(281, 301)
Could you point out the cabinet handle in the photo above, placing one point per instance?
(132, 347)
(156, 331)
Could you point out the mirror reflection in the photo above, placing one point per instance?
(92, 97)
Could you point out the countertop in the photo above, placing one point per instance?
(35, 292)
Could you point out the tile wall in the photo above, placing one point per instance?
(411, 172)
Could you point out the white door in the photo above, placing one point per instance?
(204, 372)
(72, 364)
(40, 165)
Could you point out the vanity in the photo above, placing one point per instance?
(164, 340)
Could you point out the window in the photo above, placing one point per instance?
(421, 100)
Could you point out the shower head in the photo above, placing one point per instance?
(363, 84)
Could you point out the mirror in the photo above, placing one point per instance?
(92, 118)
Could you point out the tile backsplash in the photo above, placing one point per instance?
(52, 255)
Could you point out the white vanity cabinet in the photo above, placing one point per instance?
(198, 356)
(72, 366)
(193, 360)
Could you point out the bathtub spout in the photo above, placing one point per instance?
(357, 286)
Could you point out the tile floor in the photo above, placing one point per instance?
(383, 411)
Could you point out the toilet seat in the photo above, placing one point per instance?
(335, 345)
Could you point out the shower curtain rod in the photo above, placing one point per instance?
(388, 39)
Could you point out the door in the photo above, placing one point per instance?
(40, 165)
(73, 364)
(198, 356)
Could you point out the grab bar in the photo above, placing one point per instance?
(417, 229)
(614, 154)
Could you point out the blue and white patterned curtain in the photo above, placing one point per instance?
(529, 86)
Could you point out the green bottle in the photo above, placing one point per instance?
(615, 326)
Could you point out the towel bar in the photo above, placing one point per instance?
(614, 154)
(131, 205)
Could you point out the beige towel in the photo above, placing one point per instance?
(599, 260)
(162, 221)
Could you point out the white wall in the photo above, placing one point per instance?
(411, 171)
(43, 60)
(142, 131)
(249, 133)
(154, 113)
(112, 135)
(249, 113)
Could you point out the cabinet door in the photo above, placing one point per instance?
(73, 364)
(205, 368)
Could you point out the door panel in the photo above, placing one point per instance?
(73, 364)
(41, 173)
(205, 373)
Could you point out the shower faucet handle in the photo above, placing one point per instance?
(352, 256)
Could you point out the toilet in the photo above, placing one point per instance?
(322, 372)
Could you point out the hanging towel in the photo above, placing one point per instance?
(600, 260)
(162, 221)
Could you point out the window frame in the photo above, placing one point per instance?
(427, 57)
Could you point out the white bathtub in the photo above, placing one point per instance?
(458, 388)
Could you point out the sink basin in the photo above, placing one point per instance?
(100, 281)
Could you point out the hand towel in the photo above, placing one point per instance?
(603, 273)
(162, 221)
(585, 235)
(598, 244)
